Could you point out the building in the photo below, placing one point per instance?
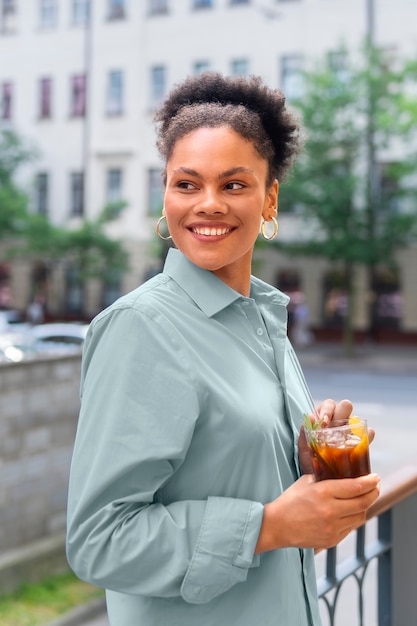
(80, 79)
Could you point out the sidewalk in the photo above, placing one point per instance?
(390, 359)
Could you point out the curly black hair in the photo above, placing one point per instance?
(245, 104)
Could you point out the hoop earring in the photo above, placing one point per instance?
(157, 228)
(274, 234)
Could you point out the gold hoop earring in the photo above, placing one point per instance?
(157, 228)
(274, 234)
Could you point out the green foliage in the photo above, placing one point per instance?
(13, 201)
(366, 110)
(88, 246)
(355, 211)
(38, 603)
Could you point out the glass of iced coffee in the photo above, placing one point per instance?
(340, 450)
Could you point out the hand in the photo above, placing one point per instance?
(313, 514)
(328, 411)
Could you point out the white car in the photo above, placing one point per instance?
(58, 335)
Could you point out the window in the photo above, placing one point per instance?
(74, 290)
(155, 192)
(48, 13)
(8, 7)
(114, 185)
(77, 193)
(8, 15)
(80, 11)
(117, 9)
(239, 67)
(78, 95)
(202, 4)
(292, 83)
(338, 64)
(42, 193)
(158, 6)
(111, 288)
(201, 66)
(6, 101)
(115, 93)
(45, 98)
(158, 84)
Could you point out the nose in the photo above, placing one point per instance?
(210, 203)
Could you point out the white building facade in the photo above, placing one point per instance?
(80, 80)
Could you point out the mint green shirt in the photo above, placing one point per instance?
(191, 404)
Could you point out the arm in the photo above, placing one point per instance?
(140, 405)
(318, 515)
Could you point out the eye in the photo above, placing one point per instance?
(234, 186)
(185, 184)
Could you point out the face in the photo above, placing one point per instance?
(215, 198)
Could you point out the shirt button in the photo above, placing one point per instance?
(260, 331)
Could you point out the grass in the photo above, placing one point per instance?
(39, 603)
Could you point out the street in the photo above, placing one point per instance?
(388, 400)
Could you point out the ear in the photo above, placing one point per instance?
(271, 202)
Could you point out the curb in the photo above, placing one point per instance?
(80, 614)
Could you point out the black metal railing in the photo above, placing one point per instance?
(393, 547)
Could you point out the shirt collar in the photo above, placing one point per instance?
(209, 293)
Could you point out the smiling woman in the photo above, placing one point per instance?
(187, 499)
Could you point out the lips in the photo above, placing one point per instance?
(210, 231)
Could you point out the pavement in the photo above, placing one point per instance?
(389, 359)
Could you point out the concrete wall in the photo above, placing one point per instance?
(39, 402)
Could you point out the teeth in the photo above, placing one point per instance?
(211, 232)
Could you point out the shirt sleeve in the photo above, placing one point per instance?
(139, 407)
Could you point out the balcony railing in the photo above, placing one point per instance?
(392, 544)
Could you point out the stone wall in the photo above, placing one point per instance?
(39, 403)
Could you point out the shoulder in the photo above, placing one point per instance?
(261, 289)
(150, 298)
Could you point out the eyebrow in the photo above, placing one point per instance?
(225, 174)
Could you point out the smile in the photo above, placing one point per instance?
(210, 232)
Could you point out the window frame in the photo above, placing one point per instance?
(48, 13)
(6, 102)
(80, 12)
(42, 193)
(78, 95)
(155, 191)
(114, 193)
(159, 86)
(115, 93)
(116, 10)
(77, 194)
(45, 98)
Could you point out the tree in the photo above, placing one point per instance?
(13, 200)
(355, 183)
(87, 246)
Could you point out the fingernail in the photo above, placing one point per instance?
(325, 420)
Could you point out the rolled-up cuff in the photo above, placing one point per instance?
(225, 548)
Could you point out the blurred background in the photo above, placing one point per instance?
(81, 191)
(81, 186)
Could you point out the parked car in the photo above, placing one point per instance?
(25, 341)
(58, 335)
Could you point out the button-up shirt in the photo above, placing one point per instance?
(191, 404)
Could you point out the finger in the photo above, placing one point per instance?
(343, 410)
(326, 411)
(349, 488)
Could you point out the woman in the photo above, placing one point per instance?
(190, 496)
